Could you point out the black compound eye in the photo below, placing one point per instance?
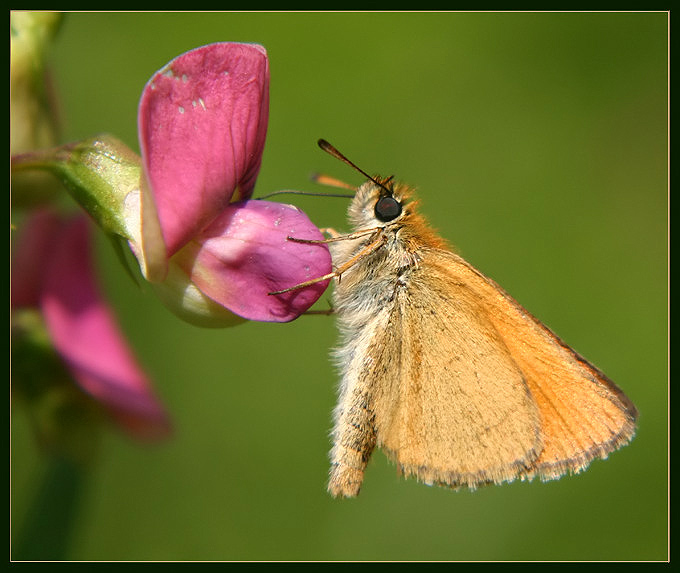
(387, 209)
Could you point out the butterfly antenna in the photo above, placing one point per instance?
(309, 193)
(328, 148)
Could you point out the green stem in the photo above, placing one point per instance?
(42, 159)
(100, 173)
(47, 531)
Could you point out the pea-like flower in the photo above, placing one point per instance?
(53, 272)
(202, 124)
(211, 252)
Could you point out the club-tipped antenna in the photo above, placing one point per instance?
(310, 193)
(328, 148)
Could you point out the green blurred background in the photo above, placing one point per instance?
(538, 143)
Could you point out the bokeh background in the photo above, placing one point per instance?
(538, 142)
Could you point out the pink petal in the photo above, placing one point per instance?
(31, 249)
(245, 254)
(85, 333)
(202, 124)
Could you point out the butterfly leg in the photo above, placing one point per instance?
(334, 236)
(330, 310)
(375, 244)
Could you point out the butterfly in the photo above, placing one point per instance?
(444, 371)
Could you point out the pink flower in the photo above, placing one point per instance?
(52, 269)
(202, 124)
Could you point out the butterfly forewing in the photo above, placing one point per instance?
(583, 414)
(461, 417)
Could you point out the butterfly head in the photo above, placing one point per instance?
(380, 202)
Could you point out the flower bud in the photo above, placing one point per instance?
(33, 115)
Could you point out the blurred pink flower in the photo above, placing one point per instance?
(52, 270)
(202, 122)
